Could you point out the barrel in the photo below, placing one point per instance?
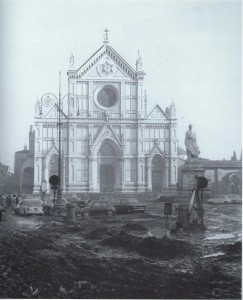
(183, 216)
(71, 218)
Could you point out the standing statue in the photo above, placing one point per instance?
(139, 63)
(192, 149)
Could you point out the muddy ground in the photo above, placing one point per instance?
(123, 256)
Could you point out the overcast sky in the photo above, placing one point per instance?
(191, 53)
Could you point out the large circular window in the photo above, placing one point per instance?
(107, 96)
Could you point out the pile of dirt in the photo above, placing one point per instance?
(164, 247)
(123, 240)
(232, 249)
(134, 227)
(98, 233)
(150, 246)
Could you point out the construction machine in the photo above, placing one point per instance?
(191, 216)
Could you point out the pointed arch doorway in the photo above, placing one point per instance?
(106, 178)
(158, 173)
(53, 165)
(109, 161)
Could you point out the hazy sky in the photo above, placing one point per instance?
(191, 53)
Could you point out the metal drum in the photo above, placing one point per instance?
(183, 216)
(71, 218)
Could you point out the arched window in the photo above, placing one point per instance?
(175, 174)
(141, 171)
(72, 171)
(38, 174)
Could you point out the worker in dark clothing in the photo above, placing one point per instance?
(2, 210)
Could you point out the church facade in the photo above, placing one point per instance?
(110, 141)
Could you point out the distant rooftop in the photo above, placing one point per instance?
(180, 151)
(23, 151)
(209, 164)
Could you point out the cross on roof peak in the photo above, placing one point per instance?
(106, 39)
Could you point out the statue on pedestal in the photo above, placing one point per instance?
(192, 149)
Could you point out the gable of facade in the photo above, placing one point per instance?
(157, 114)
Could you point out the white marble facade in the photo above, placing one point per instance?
(111, 141)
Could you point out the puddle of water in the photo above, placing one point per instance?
(32, 223)
(142, 219)
(214, 254)
(71, 238)
(221, 236)
(213, 227)
(156, 214)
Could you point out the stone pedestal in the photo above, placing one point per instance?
(191, 169)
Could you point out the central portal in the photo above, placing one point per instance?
(107, 178)
(158, 169)
(110, 167)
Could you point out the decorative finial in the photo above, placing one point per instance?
(173, 109)
(106, 39)
(40, 107)
(71, 62)
(139, 63)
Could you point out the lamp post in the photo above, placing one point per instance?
(59, 191)
(47, 100)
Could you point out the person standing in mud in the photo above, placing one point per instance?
(2, 211)
(8, 201)
(13, 203)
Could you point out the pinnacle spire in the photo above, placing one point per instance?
(71, 62)
(139, 63)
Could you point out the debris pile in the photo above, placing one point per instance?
(98, 233)
(150, 246)
(134, 227)
(233, 249)
(164, 248)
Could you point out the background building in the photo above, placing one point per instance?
(110, 141)
(224, 176)
(24, 166)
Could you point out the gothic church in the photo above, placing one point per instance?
(110, 141)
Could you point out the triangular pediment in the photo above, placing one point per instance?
(157, 114)
(106, 69)
(52, 150)
(105, 63)
(156, 150)
(47, 155)
(53, 113)
(106, 132)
